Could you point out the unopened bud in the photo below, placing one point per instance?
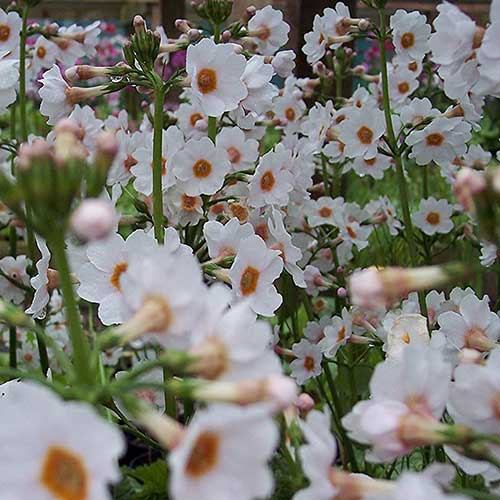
(364, 24)
(304, 403)
(225, 36)
(139, 24)
(93, 220)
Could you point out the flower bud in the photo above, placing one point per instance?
(93, 220)
(304, 403)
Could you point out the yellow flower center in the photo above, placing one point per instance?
(407, 40)
(365, 135)
(249, 280)
(204, 455)
(435, 139)
(433, 218)
(41, 52)
(202, 168)
(207, 80)
(4, 32)
(118, 270)
(267, 181)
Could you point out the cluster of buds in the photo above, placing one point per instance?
(51, 177)
(214, 11)
(143, 47)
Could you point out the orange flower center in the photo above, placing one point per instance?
(309, 363)
(4, 32)
(267, 181)
(365, 135)
(163, 166)
(433, 218)
(207, 80)
(234, 154)
(341, 334)
(194, 118)
(261, 230)
(239, 211)
(129, 162)
(189, 203)
(249, 280)
(435, 139)
(119, 269)
(290, 114)
(407, 40)
(41, 52)
(264, 32)
(325, 212)
(202, 168)
(204, 455)
(370, 162)
(403, 87)
(405, 338)
(64, 475)
(413, 66)
(351, 232)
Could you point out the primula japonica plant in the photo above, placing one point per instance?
(282, 288)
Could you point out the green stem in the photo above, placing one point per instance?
(157, 165)
(80, 345)
(13, 347)
(425, 181)
(212, 128)
(22, 74)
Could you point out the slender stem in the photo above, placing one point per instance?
(80, 345)
(158, 165)
(13, 347)
(425, 181)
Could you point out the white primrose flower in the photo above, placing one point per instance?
(308, 361)
(68, 451)
(337, 334)
(317, 456)
(241, 152)
(410, 34)
(315, 331)
(374, 167)
(360, 132)
(440, 141)
(254, 270)
(142, 170)
(417, 110)
(268, 30)
(288, 109)
(284, 63)
(100, 277)
(224, 454)
(257, 79)
(272, 181)
(191, 119)
(162, 295)
(281, 240)
(9, 81)
(230, 343)
(181, 208)
(324, 210)
(10, 29)
(402, 83)
(433, 216)
(383, 211)
(44, 54)
(315, 41)
(55, 103)
(473, 326)
(15, 269)
(201, 166)
(224, 240)
(41, 282)
(216, 74)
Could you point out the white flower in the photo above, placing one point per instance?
(201, 166)
(257, 79)
(268, 30)
(180, 208)
(252, 274)
(191, 119)
(419, 486)
(9, 81)
(474, 326)
(224, 454)
(173, 141)
(317, 456)
(337, 334)
(375, 167)
(360, 132)
(489, 253)
(417, 110)
(10, 29)
(54, 90)
(315, 41)
(402, 83)
(125, 160)
(241, 152)
(14, 268)
(282, 241)
(215, 72)
(407, 329)
(40, 282)
(272, 182)
(230, 343)
(68, 451)
(100, 277)
(308, 361)
(410, 34)
(44, 54)
(383, 211)
(433, 216)
(284, 63)
(440, 141)
(89, 126)
(224, 240)
(324, 210)
(475, 395)
(288, 109)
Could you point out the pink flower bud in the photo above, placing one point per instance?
(342, 292)
(93, 220)
(304, 403)
(282, 390)
(107, 144)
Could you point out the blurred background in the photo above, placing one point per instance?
(298, 13)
